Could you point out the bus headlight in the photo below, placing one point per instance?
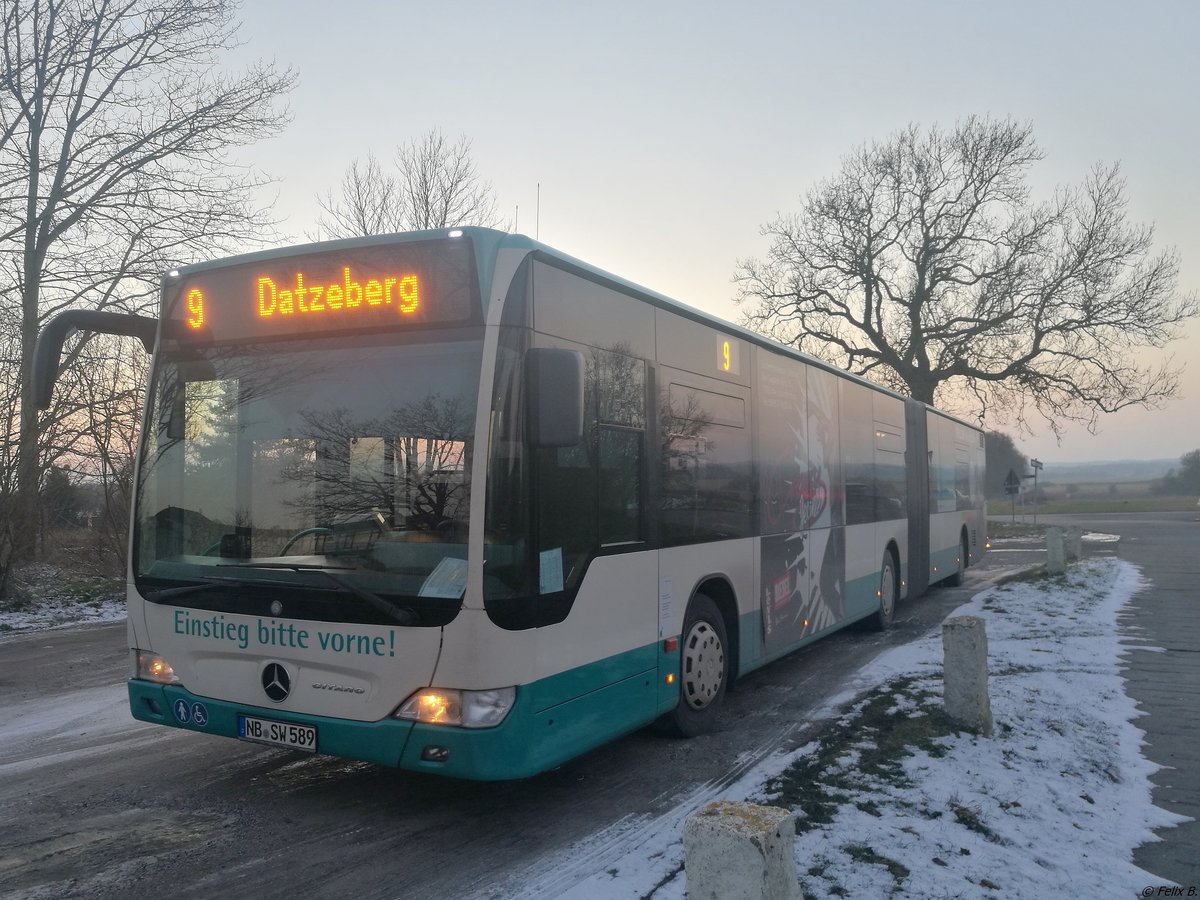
(467, 709)
(152, 667)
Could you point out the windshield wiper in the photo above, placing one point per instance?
(210, 583)
(402, 614)
(161, 594)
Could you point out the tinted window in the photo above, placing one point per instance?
(705, 483)
(858, 453)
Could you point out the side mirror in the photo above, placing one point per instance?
(48, 351)
(553, 397)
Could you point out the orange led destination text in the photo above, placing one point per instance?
(195, 305)
(298, 298)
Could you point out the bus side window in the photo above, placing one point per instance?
(589, 496)
(620, 486)
(706, 490)
(566, 507)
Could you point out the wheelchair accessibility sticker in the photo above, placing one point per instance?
(194, 714)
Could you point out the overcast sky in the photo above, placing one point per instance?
(664, 135)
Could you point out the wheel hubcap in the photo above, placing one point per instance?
(887, 590)
(703, 665)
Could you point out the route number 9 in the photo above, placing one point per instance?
(727, 360)
(195, 308)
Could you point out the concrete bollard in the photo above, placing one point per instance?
(1073, 543)
(740, 851)
(964, 647)
(1055, 557)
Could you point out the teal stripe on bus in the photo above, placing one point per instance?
(530, 740)
(566, 686)
(861, 599)
(379, 742)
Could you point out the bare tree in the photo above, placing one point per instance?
(440, 185)
(115, 125)
(435, 185)
(1185, 480)
(110, 385)
(368, 202)
(925, 265)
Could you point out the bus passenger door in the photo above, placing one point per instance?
(596, 664)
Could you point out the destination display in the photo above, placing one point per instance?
(360, 289)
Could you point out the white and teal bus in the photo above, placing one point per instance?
(456, 502)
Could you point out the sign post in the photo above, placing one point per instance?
(1012, 487)
(1036, 465)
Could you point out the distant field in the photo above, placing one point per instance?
(1122, 471)
(1089, 499)
(1140, 504)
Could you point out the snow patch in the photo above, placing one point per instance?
(1061, 794)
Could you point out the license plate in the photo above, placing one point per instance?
(278, 734)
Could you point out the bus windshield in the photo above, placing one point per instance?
(265, 467)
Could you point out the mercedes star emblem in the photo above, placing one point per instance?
(276, 682)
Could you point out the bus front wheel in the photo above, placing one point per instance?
(703, 668)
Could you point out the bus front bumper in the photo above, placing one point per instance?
(502, 752)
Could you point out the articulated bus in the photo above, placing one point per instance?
(458, 503)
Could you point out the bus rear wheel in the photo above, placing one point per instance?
(703, 669)
(956, 579)
(888, 593)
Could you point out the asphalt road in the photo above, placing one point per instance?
(94, 804)
(1165, 683)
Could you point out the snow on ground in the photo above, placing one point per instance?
(49, 597)
(1060, 795)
